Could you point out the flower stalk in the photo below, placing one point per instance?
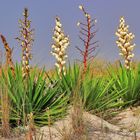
(124, 43)
(25, 40)
(61, 42)
(86, 36)
(9, 61)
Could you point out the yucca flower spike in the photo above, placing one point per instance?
(61, 42)
(25, 40)
(124, 42)
(87, 35)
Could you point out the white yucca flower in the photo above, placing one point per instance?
(80, 7)
(124, 43)
(61, 42)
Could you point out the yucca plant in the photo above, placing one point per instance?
(96, 92)
(35, 99)
(125, 77)
(129, 80)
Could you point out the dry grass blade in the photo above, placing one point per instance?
(5, 109)
(78, 128)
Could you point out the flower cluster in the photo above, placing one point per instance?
(124, 42)
(25, 41)
(59, 47)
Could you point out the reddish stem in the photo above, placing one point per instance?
(87, 44)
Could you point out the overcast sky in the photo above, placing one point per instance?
(43, 12)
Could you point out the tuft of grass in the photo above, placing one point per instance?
(31, 127)
(78, 130)
(5, 113)
(5, 100)
(78, 123)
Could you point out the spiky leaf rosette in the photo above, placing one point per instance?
(61, 42)
(95, 91)
(36, 99)
(25, 41)
(124, 42)
(129, 80)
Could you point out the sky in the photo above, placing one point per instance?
(43, 12)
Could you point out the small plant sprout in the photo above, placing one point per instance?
(61, 42)
(9, 61)
(124, 43)
(25, 40)
(86, 35)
